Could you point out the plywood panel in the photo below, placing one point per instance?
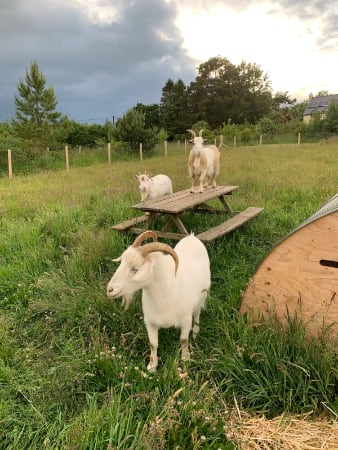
(300, 276)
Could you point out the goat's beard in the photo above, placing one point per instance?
(126, 300)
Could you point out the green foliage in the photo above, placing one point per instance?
(88, 135)
(221, 95)
(331, 120)
(35, 103)
(35, 109)
(223, 92)
(266, 126)
(273, 370)
(152, 114)
(131, 129)
(175, 112)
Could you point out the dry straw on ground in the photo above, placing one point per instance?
(282, 433)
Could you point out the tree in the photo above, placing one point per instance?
(130, 128)
(223, 92)
(175, 116)
(35, 107)
(151, 113)
(331, 119)
(282, 108)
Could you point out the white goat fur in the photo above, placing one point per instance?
(168, 299)
(153, 187)
(204, 161)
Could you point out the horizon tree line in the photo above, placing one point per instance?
(222, 94)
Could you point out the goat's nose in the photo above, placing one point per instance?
(110, 289)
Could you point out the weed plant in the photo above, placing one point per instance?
(73, 362)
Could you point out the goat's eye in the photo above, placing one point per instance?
(134, 269)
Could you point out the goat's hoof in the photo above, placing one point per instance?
(151, 368)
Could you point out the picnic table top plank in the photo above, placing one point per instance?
(182, 200)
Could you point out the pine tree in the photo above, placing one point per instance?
(35, 108)
(175, 115)
(131, 129)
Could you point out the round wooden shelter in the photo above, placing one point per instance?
(300, 275)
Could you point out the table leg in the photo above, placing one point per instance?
(178, 222)
(151, 218)
(225, 204)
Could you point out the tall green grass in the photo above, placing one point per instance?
(72, 362)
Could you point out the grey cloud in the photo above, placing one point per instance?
(97, 70)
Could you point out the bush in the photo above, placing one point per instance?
(131, 129)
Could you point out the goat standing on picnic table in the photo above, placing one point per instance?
(204, 161)
(175, 283)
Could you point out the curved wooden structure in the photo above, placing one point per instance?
(300, 275)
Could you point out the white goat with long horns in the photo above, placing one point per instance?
(175, 283)
(203, 162)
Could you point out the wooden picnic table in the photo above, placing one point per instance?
(173, 207)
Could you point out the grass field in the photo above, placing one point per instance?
(73, 363)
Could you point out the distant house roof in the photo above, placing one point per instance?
(319, 104)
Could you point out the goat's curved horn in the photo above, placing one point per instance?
(142, 237)
(201, 132)
(192, 132)
(159, 247)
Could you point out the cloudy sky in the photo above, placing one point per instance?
(104, 56)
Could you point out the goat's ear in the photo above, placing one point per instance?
(117, 259)
(135, 176)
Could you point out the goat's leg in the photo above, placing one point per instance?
(153, 339)
(196, 327)
(206, 183)
(184, 338)
(197, 312)
(192, 189)
(214, 182)
(203, 179)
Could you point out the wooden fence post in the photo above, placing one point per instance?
(221, 141)
(235, 141)
(165, 148)
(298, 138)
(10, 170)
(67, 157)
(185, 147)
(141, 155)
(109, 155)
(260, 139)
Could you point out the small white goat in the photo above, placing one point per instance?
(174, 286)
(153, 187)
(203, 161)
